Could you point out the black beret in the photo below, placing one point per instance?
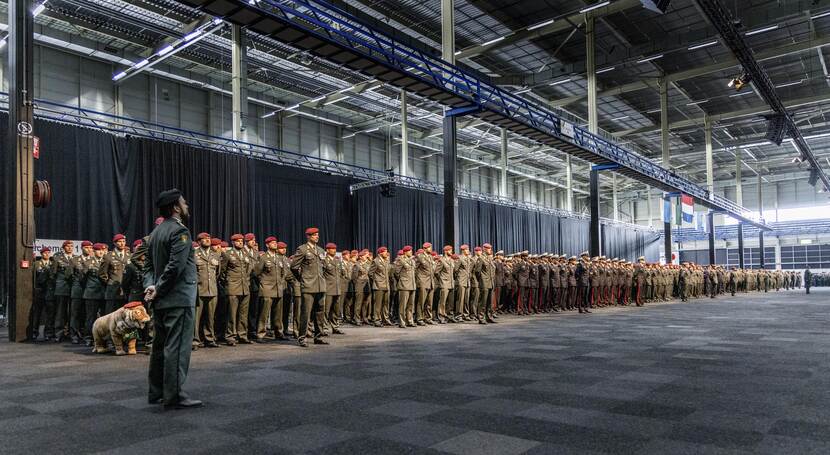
(168, 197)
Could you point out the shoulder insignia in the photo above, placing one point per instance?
(184, 238)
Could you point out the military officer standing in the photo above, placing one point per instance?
(461, 272)
(93, 289)
(582, 276)
(405, 270)
(379, 276)
(64, 276)
(333, 272)
(207, 270)
(808, 279)
(270, 273)
(170, 283)
(425, 280)
(236, 270)
(307, 266)
(485, 271)
(444, 282)
(362, 288)
(76, 320)
(112, 271)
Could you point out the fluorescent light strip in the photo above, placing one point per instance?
(493, 41)
(192, 35)
(560, 82)
(142, 63)
(820, 15)
(620, 118)
(319, 98)
(741, 94)
(788, 84)
(166, 50)
(540, 25)
(648, 59)
(761, 30)
(522, 91)
(115, 78)
(38, 9)
(702, 45)
(695, 103)
(605, 70)
(593, 7)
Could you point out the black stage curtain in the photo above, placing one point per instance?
(629, 244)
(412, 217)
(575, 236)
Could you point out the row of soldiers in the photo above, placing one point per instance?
(246, 295)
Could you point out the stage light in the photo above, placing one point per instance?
(776, 126)
(739, 82)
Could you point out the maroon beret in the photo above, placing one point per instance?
(465, 247)
(249, 236)
(454, 256)
(447, 247)
(236, 237)
(99, 246)
(346, 253)
(215, 242)
(382, 249)
(331, 246)
(281, 245)
(137, 243)
(118, 237)
(86, 243)
(44, 249)
(420, 251)
(364, 252)
(195, 244)
(477, 249)
(487, 245)
(224, 244)
(400, 252)
(270, 239)
(407, 248)
(426, 245)
(311, 230)
(159, 220)
(134, 304)
(354, 252)
(203, 235)
(67, 242)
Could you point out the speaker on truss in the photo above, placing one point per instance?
(389, 189)
(813, 176)
(776, 125)
(658, 6)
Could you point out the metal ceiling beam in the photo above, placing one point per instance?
(559, 25)
(768, 54)
(726, 115)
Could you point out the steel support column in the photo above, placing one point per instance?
(664, 122)
(239, 83)
(569, 182)
(403, 170)
(741, 245)
(591, 73)
(503, 174)
(761, 216)
(448, 30)
(450, 182)
(739, 192)
(667, 232)
(614, 200)
(710, 173)
(594, 224)
(710, 219)
(18, 159)
(762, 259)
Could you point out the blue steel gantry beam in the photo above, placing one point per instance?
(334, 34)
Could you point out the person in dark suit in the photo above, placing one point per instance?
(170, 284)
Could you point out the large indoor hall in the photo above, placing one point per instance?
(414, 226)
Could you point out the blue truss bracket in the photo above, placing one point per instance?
(605, 167)
(672, 194)
(466, 110)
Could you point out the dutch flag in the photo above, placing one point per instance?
(688, 207)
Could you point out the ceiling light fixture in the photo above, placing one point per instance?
(648, 59)
(820, 15)
(522, 91)
(493, 41)
(593, 7)
(541, 24)
(605, 70)
(560, 82)
(695, 103)
(741, 94)
(788, 84)
(166, 50)
(38, 9)
(761, 30)
(702, 45)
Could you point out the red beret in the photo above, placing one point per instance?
(436, 257)
(137, 243)
(86, 243)
(406, 248)
(478, 248)
(99, 246)
(249, 236)
(311, 230)
(203, 235)
(134, 304)
(195, 244)
(400, 252)
(346, 253)
(331, 246)
(281, 245)
(434, 254)
(420, 251)
(454, 256)
(364, 252)
(447, 247)
(118, 237)
(237, 237)
(67, 242)
(159, 220)
(45, 249)
(382, 249)
(465, 247)
(487, 245)
(224, 244)
(215, 242)
(427, 245)
(270, 239)
(354, 252)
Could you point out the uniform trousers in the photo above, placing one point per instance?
(462, 293)
(271, 309)
(360, 301)
(333, 310)
(311, 311)
(442, 303)
(62, 311)
(584, 299)
(406, 306)
(423, 307)
(484, 308)
(170, 356)
(205, 318)
(471, 301)
(76, 318)
(92, 307)
(380, 300)
(237, 317)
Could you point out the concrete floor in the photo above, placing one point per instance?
(749, 374)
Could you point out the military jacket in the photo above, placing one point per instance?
(360, 276)
(307, 265)
(236, 269)
(444, 273)
(463, 267)
(112, 272)
(207, 269)
(270, 270)
(45, 279)
(170, 267)
(93, 288)
(333, 270)
(63, 272)
(425, 271)
(405, 270)
(79, 280)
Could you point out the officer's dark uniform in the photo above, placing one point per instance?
(171, 268)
